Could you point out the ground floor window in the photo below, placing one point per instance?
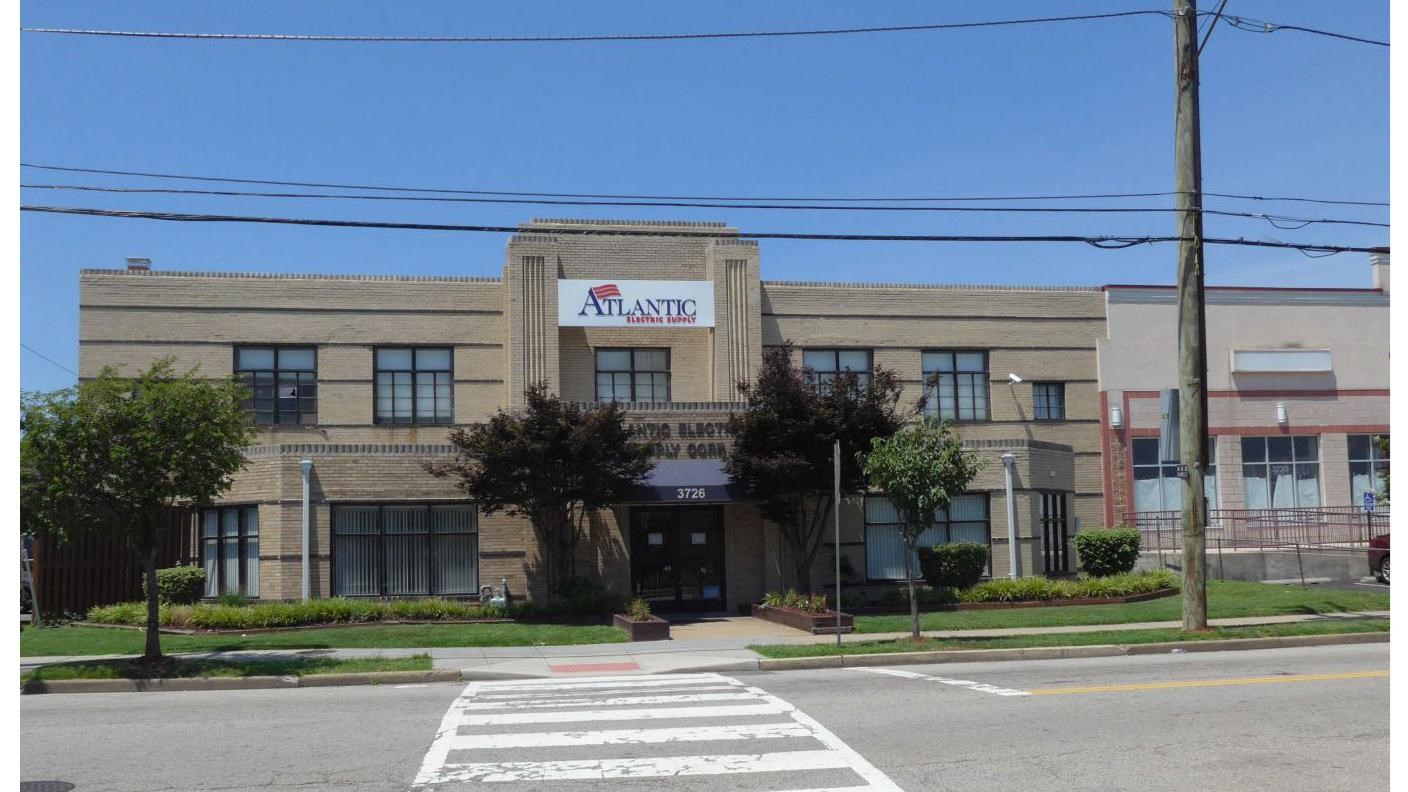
(404, 550)
(1281, 472)
(965, 520)
(1368, 466)
(229, 542)
(1054, 543)
(1157, 486)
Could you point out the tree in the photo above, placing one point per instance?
(553, 462)
(115, 453)
(921, 468)
(1382, 442)
(782, 447)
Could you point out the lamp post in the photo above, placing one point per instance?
(1014, 571)
(306, 466)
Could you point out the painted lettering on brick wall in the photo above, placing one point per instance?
(635, 303)
(688, 450)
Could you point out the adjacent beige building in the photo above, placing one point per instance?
(359, 380)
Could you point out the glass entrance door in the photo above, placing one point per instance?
(677, 557)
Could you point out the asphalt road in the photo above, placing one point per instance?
(1286, 720)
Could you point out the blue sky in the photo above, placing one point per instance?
(1077, 107)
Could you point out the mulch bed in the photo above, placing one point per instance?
(886, 610)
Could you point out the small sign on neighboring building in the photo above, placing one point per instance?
(1369, 501)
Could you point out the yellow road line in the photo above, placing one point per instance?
(1210, 683)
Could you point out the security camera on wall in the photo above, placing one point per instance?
(1015, 379)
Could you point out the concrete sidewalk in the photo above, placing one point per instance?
(714, 644)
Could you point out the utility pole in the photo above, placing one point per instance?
(1192, 322)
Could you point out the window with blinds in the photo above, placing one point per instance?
(965, 520)
(405, 550)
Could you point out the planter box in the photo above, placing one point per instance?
(885, 610)
(814, 623)
(652, 629)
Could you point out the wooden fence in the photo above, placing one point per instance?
(95, 569)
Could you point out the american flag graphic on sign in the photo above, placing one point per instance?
(606, 291)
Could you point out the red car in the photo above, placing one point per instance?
(1378, 557)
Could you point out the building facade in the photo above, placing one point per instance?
(1298, 390)
(357, 381)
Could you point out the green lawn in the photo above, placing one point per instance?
(176, 667)
(111, 640)
(1073, 639)
(1225, 600)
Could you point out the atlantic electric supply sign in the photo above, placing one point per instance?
(635, 303)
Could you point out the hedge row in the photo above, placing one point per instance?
(209, 616)
(1035, 589)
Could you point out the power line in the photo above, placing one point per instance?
(1107, 242)
(1262, 26)
(622, 196)
(283, 37)
(1241, 23)
(1290, 223)
(1217, 15)
(46, 357)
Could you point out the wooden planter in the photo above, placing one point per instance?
(814, 623)
(652, 629)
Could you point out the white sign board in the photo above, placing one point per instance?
(635, 303)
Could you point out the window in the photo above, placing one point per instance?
(1049, 399)
(956, 385)
(283, 383)
(965, 520)
(825, 364)
(229, 542)
(1368, 466)
(1157, 486)
(414, 386)
(1281, 472)
(398, 550)
(1054, 542)
(633, 375)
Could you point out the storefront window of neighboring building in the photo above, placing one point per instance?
(826, 364)
(1157, 487)
(1049, 399)
(229, 540)
(404, 550)
(414, 385)
(956, 385)
(1281, 472)
(283, 383)
(633, 375)
(1368, 467)
(965, 520)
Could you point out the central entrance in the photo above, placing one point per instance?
(677, 557)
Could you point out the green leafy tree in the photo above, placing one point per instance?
(921, 468)
(115, 453)
(782, 447)
(553, 462)
(1382, 441)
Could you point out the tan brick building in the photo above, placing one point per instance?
(363, 377)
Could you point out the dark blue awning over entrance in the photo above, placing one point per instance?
(686, 481)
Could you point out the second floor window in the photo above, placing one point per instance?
(282, 381)
(414, 385)
(826, 364)
(956, 385)
(633, 375)
(1049, 400)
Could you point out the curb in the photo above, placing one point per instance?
(1066, 652)
(235, 683)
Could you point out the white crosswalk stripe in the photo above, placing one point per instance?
(517, 731)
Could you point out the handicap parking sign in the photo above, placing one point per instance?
(1368, 501)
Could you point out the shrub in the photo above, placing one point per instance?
(233, 600)
(181, 585)
(1034, 589)
(221, 616)
(807, 603)
(1108, 551)
(956, 565)
(638, 610)
(586, 597)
